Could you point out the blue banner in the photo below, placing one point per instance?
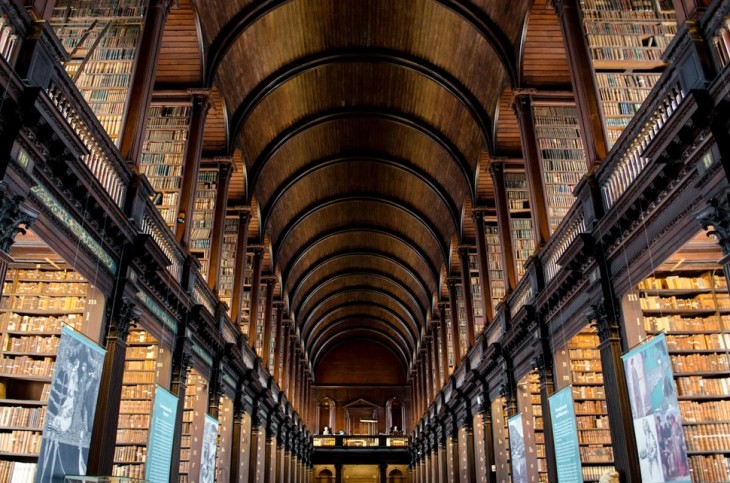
(517, 449)
(655, 409)
(162, 430)
(207, 453)
(71, 407)
(565, 436)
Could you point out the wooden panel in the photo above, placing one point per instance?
(180, 56)
(214, 135)
(508, 130)
(544, 62)
(360, 362)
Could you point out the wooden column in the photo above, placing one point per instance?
(443, 467)
(468, 452)
(477, 215)
(468, 304)
(182, 360)
(253, 452)
(281, 456)
(268, 310)
(504, 226)
(295, 379)
(625, 452)
(538, 204)
(279, 341)
(106, 418)
(338, 472)
(543, 362)
(689, 9)
(258, 256)
(269, 450)
(454, 467)
(455, 339)
(236, 435)
(443, 342)
(131, 136)
(427, 369)
(244, 218)
(417, 386)
(225, 168)
(585, 88)
(191, 166)
(287, 457)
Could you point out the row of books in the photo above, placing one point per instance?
(699, 342)
(20, 442)
(28, 417)
(637, 96)
(594, 437)
(701, 301)
(631, 28)
(707, 437)
(136, 454)
(705, 281)
(36, 344)
(132, 421)
(687, 364)
(48, 288)
(705, 411)
(27, 366)
(623, 41)
(596, 454)
(677, 323)
(589, 392)
(703, 386)
(32, 302)
(588, 377)
(710, 469)
(127, 406)
(591, 422)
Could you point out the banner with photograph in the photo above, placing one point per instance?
(565, 436)
(71, 407)
(517, 449)
(655, 409)
(207, 453)
(162, 433)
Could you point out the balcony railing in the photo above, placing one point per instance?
(375, 441)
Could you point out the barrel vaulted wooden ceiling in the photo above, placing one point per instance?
(361, 130)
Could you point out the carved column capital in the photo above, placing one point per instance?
(12, 215)
(128, 316)
(715, 218)
(607, 329)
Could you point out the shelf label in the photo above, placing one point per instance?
(655, 410)
(162, 430)
(565, 436)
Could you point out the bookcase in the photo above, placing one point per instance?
(196, 405)
(462, 320)
(37, 300)
(626, 39)
(163, 155)
(246, 295)
(476, 294)
(528, 402)
(260, 319)
(202, 219)
(101, 38)
(562, 158)
(135, 410)
(523, 234)
(227, 270)
(687, 299)
(495, 261)
(579, 365)
(500, 435)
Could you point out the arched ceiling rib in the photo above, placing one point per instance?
(360, 125)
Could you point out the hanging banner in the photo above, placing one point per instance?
(207, 453)
(71, 407)
(517, 449)
(162, 432)
(565, 436)
(655, 410)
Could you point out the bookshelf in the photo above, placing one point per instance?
(228, 260)
(500, 434)
(528, 401)
(579, 365)
(202, 219)
(687, 299)
(135, 411)
(462, 320)
(497, 287)
(37, 300)
(476, 294)
(246, 296)
(562, 158)
(626, 40)
(260, 319)
(101, 39)
(449, 339)
(163, 154)
(196, 402)
(523, 234)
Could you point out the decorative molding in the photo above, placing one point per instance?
(715, 219)
(13, 214)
